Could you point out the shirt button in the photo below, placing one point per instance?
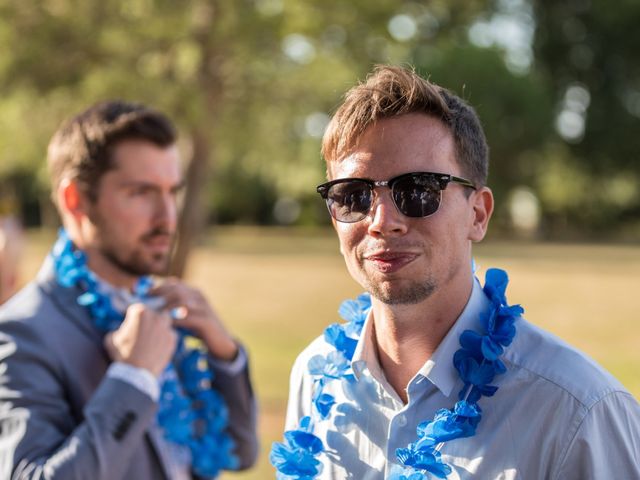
(402, 420)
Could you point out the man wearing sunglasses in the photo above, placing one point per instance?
(434, 376)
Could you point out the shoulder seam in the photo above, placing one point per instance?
(587, 402)
(585, 413)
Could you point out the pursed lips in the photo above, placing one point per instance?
(389, 261)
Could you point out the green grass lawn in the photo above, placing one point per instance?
(276, 289)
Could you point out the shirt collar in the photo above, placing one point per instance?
(122, 298)
(366, 352)
(439, 368)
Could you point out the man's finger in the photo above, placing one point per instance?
(165, 318)
(166, 288)
(108, 341)
(110, 347)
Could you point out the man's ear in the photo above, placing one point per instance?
(482, 203)
(70, 198)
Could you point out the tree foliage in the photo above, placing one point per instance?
(251, 84)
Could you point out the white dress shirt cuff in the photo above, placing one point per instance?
(233, 367)
(140, 378)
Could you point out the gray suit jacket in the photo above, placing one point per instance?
(61, 418)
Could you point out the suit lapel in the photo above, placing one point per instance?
(160, 446)
(66, 300)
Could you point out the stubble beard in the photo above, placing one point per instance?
(392, 293)
(133, 261)
(135, 264)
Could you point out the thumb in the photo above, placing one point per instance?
(109, 346)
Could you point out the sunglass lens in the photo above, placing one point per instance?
(417, 195)
(349, 201)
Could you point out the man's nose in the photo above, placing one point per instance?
(386, 220)
(167, 210)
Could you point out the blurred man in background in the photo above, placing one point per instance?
(11, 242)
(434, 375)
(107, 373)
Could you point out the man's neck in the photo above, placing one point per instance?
(406, 336)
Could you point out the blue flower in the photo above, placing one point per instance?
(495, 285)
(323, 402)
(193, 372)
(500, 323)
(356, 310)
(296, 458)
(429, 461)
(448, 425)
(333, 366)
(467, 410)
(355, 313)
(471, 343)
(471, 371)
(336, 335)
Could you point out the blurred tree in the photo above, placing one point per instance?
(252, 83)
(588, 52)
(514, 110)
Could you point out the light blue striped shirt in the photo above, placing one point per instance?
(556, 415)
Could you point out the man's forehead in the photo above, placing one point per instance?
(411, 127)
(145, 165)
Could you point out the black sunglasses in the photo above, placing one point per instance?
(416, 194)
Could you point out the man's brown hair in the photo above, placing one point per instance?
(82, 148)
(391, 91)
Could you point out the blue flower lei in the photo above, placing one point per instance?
(477, 362)
(190, 412)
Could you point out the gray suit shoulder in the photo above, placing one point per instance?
(24, 305)
(22, 318)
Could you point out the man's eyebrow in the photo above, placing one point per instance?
(181, 185)
(145, 183)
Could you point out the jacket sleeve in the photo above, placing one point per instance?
(42, 438)
(235, 387)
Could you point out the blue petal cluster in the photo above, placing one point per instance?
(337, 364)
(296, 458)
(355, 313)
(71, 270)
(290, 459)
(191, 412)
(477, 362)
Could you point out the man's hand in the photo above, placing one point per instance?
(193, 312)
(146, 339)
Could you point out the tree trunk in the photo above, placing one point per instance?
(193, 216)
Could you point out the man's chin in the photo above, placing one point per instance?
(156, 265)
(394, 294)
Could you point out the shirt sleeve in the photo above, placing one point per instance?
(606, 443)
(140, 378)
(231, 367)
(300, 393)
